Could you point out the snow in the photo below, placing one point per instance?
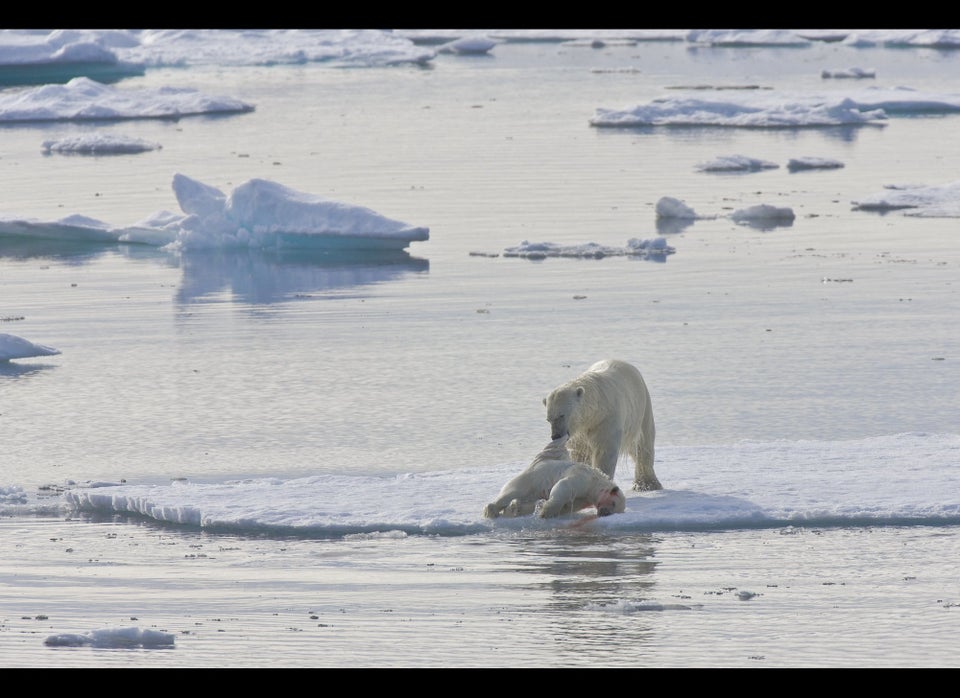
(131, 51)
(98, 144)
(736, 163)
(113, 638)
(857, 73)
(812, 163)
(468, 45)
(14, 347)
(653, 248)
(763, 214)
(746, 37)
(669, 207)
(711, 487)
(117, 53)
(936, 201)
(83, 99)
(257, 214)
(870, 106)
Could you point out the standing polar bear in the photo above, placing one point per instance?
(606, 411)
(553, 485)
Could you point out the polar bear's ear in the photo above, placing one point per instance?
(579, 391)
(544, 402)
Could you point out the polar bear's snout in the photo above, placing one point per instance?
(558, 428)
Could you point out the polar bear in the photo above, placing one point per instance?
(567, 486)
(606, 411)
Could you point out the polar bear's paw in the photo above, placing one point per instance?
(646, 485)
(491, 511)
(538, 509)
(513, 509)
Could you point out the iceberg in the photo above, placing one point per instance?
(258, 214)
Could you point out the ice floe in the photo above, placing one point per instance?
(98, 144)
(14, 347)
(256, 214)
(83, 99)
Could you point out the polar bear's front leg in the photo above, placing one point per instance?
(644, 478)
(561, 499)
(606, 451)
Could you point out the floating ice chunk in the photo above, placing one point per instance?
(198, 198)
(256, 214)
(468, 45)
(655, 248)
(261, 213)
(99, 144)
(13, 347)
(856, 73)
(763, 212)
(669, 207)
(114, 638)
(747, 112)
(747, 37)
(923, 201)
(73, 228)
(82, 99)
(812, 163)
(736, 163)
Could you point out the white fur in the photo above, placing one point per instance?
(606, 411)
(565, 485)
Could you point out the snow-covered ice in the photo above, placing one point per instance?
(256, 214)
(114, 638)
(83, 99)
(736, 163)
(14, 347)
(98, 144)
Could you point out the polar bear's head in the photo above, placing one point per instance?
(611, 501)
(562, 405)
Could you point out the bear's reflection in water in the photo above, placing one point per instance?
(593, 579)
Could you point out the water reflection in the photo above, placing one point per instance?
(261, 277)
(252, 276)
(670, 226)
(13, 369)
(766, 224)
(583, 568)
(65, 251)
(598, 574)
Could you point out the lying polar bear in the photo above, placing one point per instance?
(565, 485)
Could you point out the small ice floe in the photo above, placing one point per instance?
(99, 144)
(654, 248)
(627, 607)
(468, 45)
(736, 163)
(764, 216)
(12, 494)
(669, 207)
(855, 73)
(746, 111)
(812, 163)
(82, 99)
(923, 201)
(747, 37)
(673, 215)
(114, 638)
(13, 347)
(35, 58)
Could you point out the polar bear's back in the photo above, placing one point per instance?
(618, 383)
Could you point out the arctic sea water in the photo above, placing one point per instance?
(274, 457)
